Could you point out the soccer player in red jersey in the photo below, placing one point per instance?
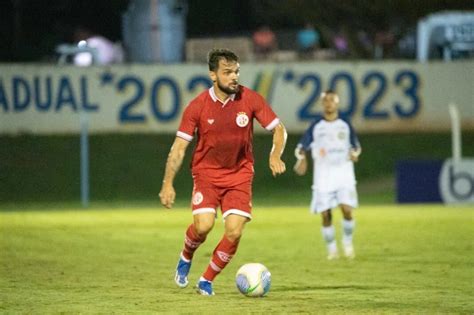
(221, 119)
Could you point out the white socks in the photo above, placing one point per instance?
(329, 235)
(348, 230)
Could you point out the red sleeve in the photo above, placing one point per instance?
(189, 122)
(264, 113)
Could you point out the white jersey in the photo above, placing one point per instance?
(330, 143)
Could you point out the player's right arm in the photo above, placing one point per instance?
(173, 164)
(301, 165)
(184, 136)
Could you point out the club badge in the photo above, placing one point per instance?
(197, 198)
(242, 119)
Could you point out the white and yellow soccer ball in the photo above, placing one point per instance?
(253, 279)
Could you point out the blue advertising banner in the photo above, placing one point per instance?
(446, 181)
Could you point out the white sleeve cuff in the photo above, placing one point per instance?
(184, 136)
(273, 124)
(298, 154)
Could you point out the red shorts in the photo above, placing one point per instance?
(233, 200)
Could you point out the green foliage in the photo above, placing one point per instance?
(410, 260)
(129, 168)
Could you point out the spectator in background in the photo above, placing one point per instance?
(264, 42)
(107, 51)
(384, 42)
(341, 44)
(365, 44)
(307, 41)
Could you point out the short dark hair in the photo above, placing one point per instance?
(329, 91)
(217, 54)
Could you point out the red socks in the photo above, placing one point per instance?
(191, 242)
(222, 255)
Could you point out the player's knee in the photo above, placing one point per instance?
(326, 217)
(233, 235)
(347, 215)
(346, 212)
(203, 227)
(233, 232)
(234, 226)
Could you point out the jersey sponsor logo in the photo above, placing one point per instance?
(242, 119)
(210, 121)
(224, 256)
(197, 198)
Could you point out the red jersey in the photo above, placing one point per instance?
(223, 154)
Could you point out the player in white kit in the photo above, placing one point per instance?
(334, 148)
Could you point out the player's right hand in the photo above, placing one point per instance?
(167, 196)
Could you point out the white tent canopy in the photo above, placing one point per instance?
(451, 31)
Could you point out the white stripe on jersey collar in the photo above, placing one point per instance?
(214, 97)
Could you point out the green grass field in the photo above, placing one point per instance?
(410, 260)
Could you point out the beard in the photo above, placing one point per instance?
(227, 89)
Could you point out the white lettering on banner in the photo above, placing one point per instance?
(389, 96)
(456, 181)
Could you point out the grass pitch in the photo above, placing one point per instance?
(410, 259)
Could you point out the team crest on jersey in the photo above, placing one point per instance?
(197, 198)
(341, 135)
(242, 119)
(210, 121)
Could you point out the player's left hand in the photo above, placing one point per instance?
(277, 165)
(301, 166)
(354, 155)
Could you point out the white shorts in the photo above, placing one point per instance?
(325, 200)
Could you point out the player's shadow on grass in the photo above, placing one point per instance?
(322, 287)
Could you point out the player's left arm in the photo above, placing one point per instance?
(356, 149)
(277, 166)
(268, 120)
(355, 153)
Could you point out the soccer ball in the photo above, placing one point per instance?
(253, 280)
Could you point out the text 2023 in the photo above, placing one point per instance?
(405, 80)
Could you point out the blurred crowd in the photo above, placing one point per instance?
(265, 44)
(310, 43)
(305, 44)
